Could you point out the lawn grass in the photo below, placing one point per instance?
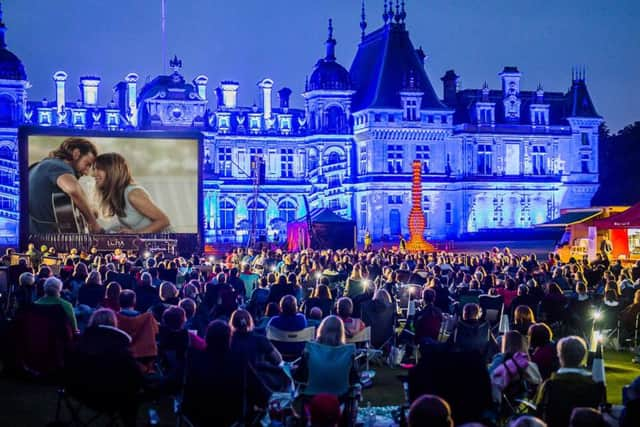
(28, 403)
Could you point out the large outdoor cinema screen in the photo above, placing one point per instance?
(129, 184)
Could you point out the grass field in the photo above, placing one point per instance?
(26, 403)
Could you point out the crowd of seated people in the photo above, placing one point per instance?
(195, 326)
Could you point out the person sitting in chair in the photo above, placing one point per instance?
(221, 389)
(570, 387)
(321, 377)
(472, 334)
(102, 373)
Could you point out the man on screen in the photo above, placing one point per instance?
(59, 173)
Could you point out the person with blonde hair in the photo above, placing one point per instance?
(123, 199)
(321, 377)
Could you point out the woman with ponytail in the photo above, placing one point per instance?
(248, 345)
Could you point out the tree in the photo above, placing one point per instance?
(619, 159)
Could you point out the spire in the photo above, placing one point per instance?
(331, 44)
(397, 17)
(403, 13)
(385, 15)
(3, 28)
(175, 63)
(363, 21)
(391, 11)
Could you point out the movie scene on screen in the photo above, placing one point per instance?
(119, 185)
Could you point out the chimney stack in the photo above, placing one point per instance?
(89, 89)
(450, 87)
(285, 94)
(131, 98)
(229, 93)
(60, 78)
(201, 84)
(266, 85)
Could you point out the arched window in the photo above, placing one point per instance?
(335, 120)
(312, 159)
(287, 211)
(257, 213)
(227, 215)
(333, 158)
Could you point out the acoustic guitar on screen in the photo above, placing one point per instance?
(67, 215)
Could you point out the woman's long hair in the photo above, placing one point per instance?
(331, 331)
(117, 179)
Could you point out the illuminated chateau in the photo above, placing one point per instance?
(491, 158)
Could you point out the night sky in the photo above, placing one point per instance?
(247, 40)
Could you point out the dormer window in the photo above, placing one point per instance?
(411, 110)
(485, 113)
(79, 118)
(539, 114)
(223, 122)
(285, 124)
(254, 123)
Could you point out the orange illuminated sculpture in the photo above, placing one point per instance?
(417, 222)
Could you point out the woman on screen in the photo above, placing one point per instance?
(121, 197)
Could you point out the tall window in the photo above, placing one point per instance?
(363, 160)
(287, 211)
(538, 118)
(224, 161)
(485, 115)
(426, 209)
(394, 158)
(363, 214)
(485, 158)
(584, 138)
(257, 213)
(539, 156)
(227, 215)
(448, 213)
(411, 112)
(254, 155)
(286, 162)
(584, 162)
(423, 154)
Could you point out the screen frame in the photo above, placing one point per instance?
(24, 132)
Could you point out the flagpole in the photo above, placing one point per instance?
(164, 35)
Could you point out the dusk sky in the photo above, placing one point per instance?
(247, 40)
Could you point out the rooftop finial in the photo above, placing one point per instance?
(391, 11)
(363, 21)
(3, 28)
(398, 18)
(385, 14)
(403, 12)
(175, 63)
(331, 43)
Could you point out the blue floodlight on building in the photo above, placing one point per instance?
(492, 158)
